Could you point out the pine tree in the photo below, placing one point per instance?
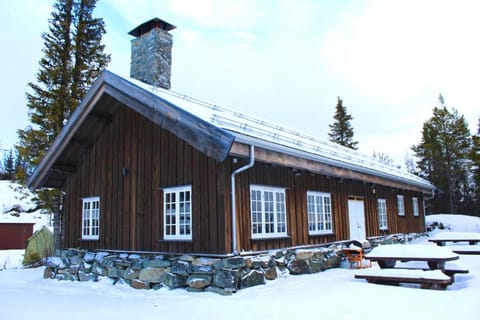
(341, 131)
(9, 166)
(475, 157)
(444, 159)
(73, 59)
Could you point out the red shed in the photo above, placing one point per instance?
(14, 235)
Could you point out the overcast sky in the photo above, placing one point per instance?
(285, 61)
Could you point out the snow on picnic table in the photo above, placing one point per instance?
(421, 251)
(452, 235)
(411, 273)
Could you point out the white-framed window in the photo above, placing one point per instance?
(400, 205)
(319, 210)
(177, 213)
(268, 212)
(382, 214)
(91, 218)
(415, 206)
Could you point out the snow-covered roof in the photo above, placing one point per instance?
(259, 132)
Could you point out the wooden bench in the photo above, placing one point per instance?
(428, 279)
(450, 269)
(468, 249)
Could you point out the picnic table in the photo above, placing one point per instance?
(443, 237)
(436, 276)
(387, 255)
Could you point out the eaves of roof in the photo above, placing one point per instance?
(209, 139)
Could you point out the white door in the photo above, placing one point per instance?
(356, 218)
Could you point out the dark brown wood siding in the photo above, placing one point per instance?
(127, 167)
(133, 160)
(297, 183)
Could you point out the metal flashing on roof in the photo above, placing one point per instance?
(256, 131)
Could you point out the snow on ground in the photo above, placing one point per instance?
(11, 259)
(455, 222)
(333, 294)
(15, 201)
(14, 198)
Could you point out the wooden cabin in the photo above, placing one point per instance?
(146, 169)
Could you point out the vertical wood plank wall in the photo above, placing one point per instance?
(297, 183)
(152, 158)
(131, 204)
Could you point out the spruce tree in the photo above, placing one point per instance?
(73, 59)
(475, 156)
(9, 165)
(443, 155)
(341, 130)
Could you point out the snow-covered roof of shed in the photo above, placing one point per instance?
(248, 129)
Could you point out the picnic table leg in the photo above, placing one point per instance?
(436, 264)
(387, 263)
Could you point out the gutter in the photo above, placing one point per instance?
(234, 209)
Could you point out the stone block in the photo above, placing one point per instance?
(129, 274)
(138, 284)
(315, 266)
(174, 281)
(49, 273)
(253, 278)
(180, 268)
(83, 277)
(98, 269)
(199, 281)
(99, 256)
(234, 263)
(298, 266)
(156, 263)
(271, 273)
(76, 260)
(304, 254)
(151, 275)
(112, 272)
(199, 268)
(89, 257)
(225, 279)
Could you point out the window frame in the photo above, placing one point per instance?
(400, 205)
(382, 214)
(177, 224)
(93, 219)
(321, 218)
(415, 208)
(278, 219)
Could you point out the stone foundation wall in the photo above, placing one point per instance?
(197, 273)
(194, 273)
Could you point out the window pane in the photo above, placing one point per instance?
(177, 213)
(267, 209)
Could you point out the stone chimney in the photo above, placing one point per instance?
(151, 59)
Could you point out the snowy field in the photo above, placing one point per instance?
(333, 294)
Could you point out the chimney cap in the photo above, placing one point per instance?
(151, 24)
